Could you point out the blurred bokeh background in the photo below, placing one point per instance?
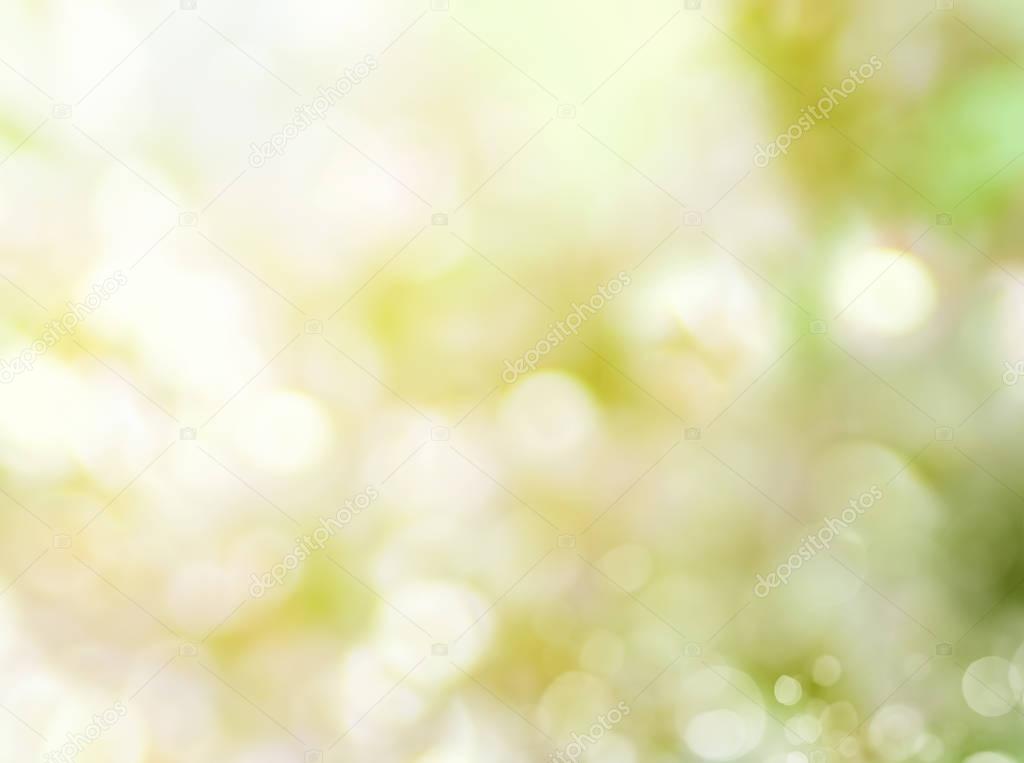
(233, 315)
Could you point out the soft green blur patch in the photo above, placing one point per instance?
(974, 130)
(963, 135)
